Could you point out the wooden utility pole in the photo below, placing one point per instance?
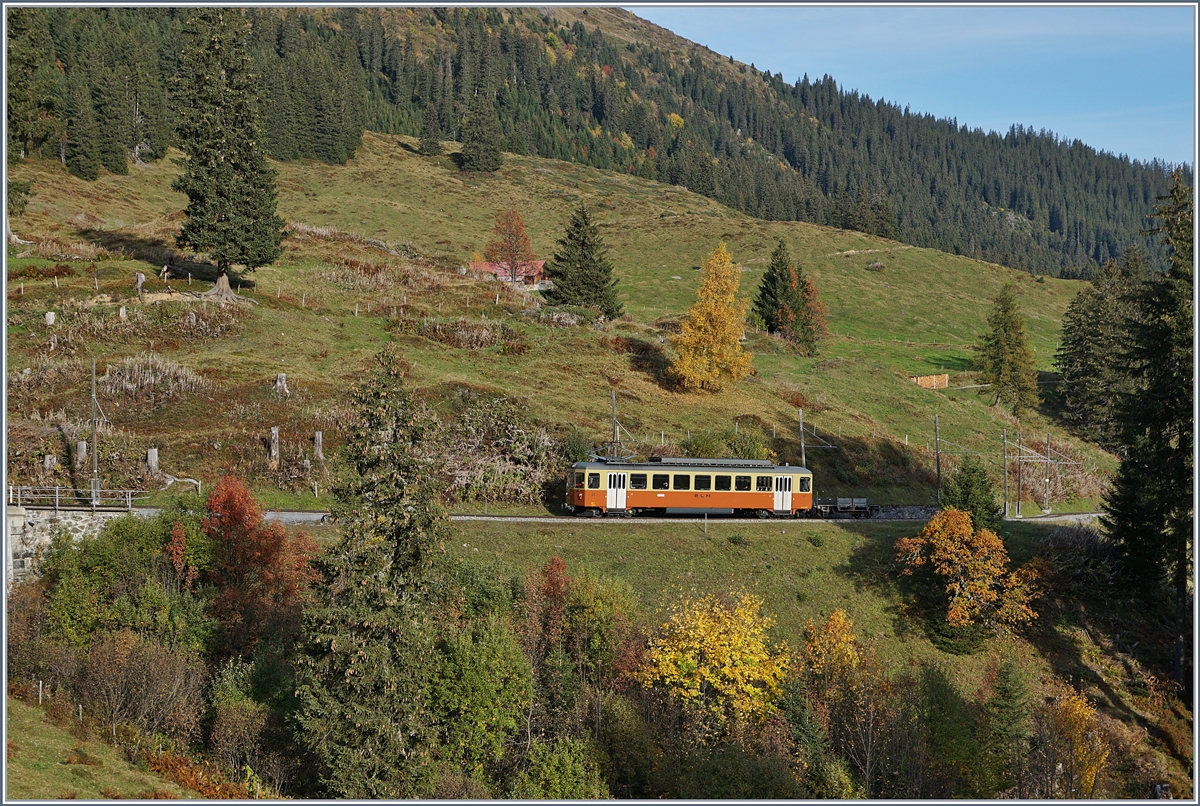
(1004, 438)
(803, 461)
(1046, 494)
(937, 451)
(1018, 474)
(615, 436)
(95, 442)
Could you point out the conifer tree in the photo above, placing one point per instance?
(115, 108)
(1007, 727)
(710, 356)
(1093, 327)
(581, 270)
(1149, 510)
(481, 136)
(32, 108)
(788, 303)
(1005, 360)
(969, 489)
(778, 300)
(83, 157)
(366, 653)
(431, 132)
(229, 184)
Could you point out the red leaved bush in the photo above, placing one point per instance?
(202, 777)
(262, 577)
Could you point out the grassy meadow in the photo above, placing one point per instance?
(384, 236)
(47, 761)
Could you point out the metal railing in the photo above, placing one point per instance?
(70, 498)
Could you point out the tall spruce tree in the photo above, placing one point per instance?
(32, 110)
(481, 136)
(1004, 358)
(1006, 728)
(581, 270)
(788, 304)
(366, 653)
(229, 184)
(115, 108)
(431, 132)
(1149, 511)
(778, 301)
(83, 148)
(1093, 328)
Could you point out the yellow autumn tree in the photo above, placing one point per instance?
(710, 355)
(1071, 749)
(712, 657)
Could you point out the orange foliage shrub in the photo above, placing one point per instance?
(262, 578)
(974, 567)
(199, 777)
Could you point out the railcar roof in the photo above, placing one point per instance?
(679, 464)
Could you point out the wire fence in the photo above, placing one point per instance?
(71, 498)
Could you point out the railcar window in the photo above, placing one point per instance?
(579, 480)
(683, 481)
(763, 484)
(723, 482)
(741, 483)
(703, 482)
(805, 485)
(593, 481)
(637, 481)
(661, 481)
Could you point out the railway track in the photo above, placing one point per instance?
(890, 515)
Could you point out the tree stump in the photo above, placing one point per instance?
(275, 448)
(281, 387)
(140, 279)
(318, 453)
(49, 462)
(152, 461)
(81, 452)
(121, 313)
(50, 317)
(307, 468)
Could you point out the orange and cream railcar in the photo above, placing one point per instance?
(741, 486)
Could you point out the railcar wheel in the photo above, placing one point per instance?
(762, 514)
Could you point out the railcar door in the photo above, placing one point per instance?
(783, 493)
(617, 483)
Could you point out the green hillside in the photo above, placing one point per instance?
(390, 230)
(47, 761)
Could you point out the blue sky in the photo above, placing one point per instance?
(1121, 79)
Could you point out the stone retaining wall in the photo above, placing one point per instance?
(28, 532)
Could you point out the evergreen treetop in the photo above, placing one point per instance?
(1004, 358)
(431, 133)
(366, 654)
(580, 269)
(481, 136)
(230, 186)
(969, 489)
(788, 303)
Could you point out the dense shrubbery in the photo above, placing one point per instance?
(388, 667)
(130, 624)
